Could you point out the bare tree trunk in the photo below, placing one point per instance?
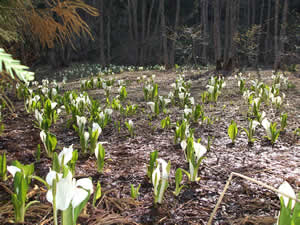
(172, 54)
(253, 11)
(130, 20)
(283, 28)
(135, 30)
(235, 8)
(249, 13)
(267, 40)
(217, 39)
(227, 31)
(143, 34)
(204, 20)
(148, 29)
(102, 56)
(109, 32)
(164, 33)
(276, 41)
(260, 31)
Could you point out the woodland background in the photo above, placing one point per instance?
(225, 33)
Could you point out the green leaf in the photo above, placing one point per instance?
(97, 193)
(3, 167)
(153, 157)
(78, 209)
(232, 131)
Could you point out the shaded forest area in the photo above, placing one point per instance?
(231, 33)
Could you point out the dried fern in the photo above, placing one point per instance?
(58, 22)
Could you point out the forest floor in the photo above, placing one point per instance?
(127, 159)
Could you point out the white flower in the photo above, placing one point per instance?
(167, 101)
(156, 176)
(52, 176)
(38, 116)
(86, 136)
(54, 91)
(266, 124)
(181, 95)
(108, 111)
(67, 154)
(101, 115)
(187, 111)
(200, 150)
(81, 121)
(68, 190)
(13, 169)
(286, 188)
(192, 100)
(96, 127)
(53, 105)
(210, 89)
(170, 95)
(130, 123)
(164, 166)
(254, 124)
(183, 145)
(151, 105)
(43, 136)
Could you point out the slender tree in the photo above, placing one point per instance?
(172, 54)
(164, 33)
(217, 38)
(101, 30)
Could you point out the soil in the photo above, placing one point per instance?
(127, 159)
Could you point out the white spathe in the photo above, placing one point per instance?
(286, 188)
(13, 169)
(67, 154)
(69, 191)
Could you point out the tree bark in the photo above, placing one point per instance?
(260, 32)
(135, 30)
(172, 54)
(143, 34)
(283, 28)
(217, 39)
(276, 40)
(109, 32)
(102, 55)
(249, 13)
(253, 12)
(227, 32)
(267, 40)
(164, 33)
(204, 20)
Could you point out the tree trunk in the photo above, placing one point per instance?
(204, 20)
(164, 33)
(267, 40)
(227, 32)
(143, 34)
(249, 13)
(253, 12)
(276, 41)
(172, 54)
(217, 39)
(147, 51)
(135, 30)
(102, 56)
(283, 28)
(109, 32)
(260, 32)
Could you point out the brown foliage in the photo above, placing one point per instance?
(59, 21)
